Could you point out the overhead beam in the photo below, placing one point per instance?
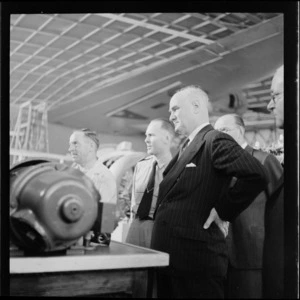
(159, 28)
(142, 99)
(266, 30)
(86, 107)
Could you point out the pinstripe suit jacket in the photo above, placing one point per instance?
(187, 195)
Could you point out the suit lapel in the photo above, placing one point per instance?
(171, 164)
(176, 166)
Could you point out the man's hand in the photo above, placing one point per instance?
(214, 217)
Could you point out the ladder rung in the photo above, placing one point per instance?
(24, 125)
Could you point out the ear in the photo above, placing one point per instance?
(92, 145)
(196, 106)
(242, 131)
(168, 137)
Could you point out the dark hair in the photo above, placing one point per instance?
(165, 124)
(91, 134)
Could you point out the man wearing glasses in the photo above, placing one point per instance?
(276, 103)
(273, 256)
(246, 232)
(83, 146)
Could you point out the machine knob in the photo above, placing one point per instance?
(72, 209)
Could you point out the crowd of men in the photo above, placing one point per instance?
(216, 207)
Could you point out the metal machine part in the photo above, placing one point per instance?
(51, 205)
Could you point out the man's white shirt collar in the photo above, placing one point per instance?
(195, 132)
(163, 161)
(244, 145)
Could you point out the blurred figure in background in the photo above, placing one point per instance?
(273, 255)
(246, 232)
(83, 146)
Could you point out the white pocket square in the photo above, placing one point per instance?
(190, 165)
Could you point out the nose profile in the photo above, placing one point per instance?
(71, 148)
(171, 118)
(270, 106)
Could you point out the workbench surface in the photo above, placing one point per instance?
(116, 256)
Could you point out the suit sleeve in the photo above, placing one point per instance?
(232, 160)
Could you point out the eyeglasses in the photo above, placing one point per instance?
(92, 135)
(276, 97)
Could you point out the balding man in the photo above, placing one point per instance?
(83, 146)
(273, 256)
(194, 197)
(246, 232)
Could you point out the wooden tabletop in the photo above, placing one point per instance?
(115, 256)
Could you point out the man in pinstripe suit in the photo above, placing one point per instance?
(194, 197)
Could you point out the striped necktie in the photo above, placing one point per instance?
(182, 148)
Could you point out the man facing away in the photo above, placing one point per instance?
(195, 188)
(246, 233)
(83, 146)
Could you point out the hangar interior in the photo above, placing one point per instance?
(115, 72)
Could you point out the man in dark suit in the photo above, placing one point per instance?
(273, 254)
(246, 232)
(196, 188)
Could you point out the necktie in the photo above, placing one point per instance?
(182, 148)
(145, 205)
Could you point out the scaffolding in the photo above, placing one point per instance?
(30, 130)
